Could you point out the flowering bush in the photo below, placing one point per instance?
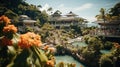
(21, 50)
(29, 39)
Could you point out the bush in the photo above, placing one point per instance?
(108, 45)
(106, 61)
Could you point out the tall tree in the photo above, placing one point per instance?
(102, 11)
(50, 10)
(115, 11)
(101, 16)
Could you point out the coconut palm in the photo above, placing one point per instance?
(50, 10)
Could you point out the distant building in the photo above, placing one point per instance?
(58, 20)
(110, 28)
(24, 22)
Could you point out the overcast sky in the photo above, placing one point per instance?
(84, 8)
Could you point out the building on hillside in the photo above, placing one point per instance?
(107, 28)
(25, 22)
(58, 20)
(111, 28)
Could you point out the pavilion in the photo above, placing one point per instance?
(58, 20)
(24, 22)
(110, 28)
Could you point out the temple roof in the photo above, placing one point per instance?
(56, 14)
(26, 19)
(64, 18)
(114, 22)
(71, 14)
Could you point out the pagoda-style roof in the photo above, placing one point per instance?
(68, 19)
(26, 19)
(23, 16)
(71, 14)
(114, 22)
(64, 18)
(56, 14)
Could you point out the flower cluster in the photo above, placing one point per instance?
(10, 28)
(29, 39)
(50, 63)
(5, 41)
(6, 31)
(5, 20)
(9, 37)
(116, 45)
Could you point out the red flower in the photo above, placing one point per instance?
(6, 41)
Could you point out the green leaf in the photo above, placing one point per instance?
(41, 55)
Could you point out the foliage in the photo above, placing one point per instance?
(45, 30)
(108, 45)
(113, 14)
(115, 10)
(14, 8)
(112, 59)
(106, 60)
(29, 29)
(62, 64)
(76, 29)
(23, 50)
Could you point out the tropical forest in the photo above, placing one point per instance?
(32, 37)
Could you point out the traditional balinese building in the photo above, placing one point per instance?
(58, 20)
(24, 22)
(109, 28)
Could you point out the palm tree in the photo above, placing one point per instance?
(102, 11)
(50, 9)
(39, 6)
(102, 17)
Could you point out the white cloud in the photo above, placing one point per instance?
(45, 7)
(61, 5)
(84, 7)
(90, 18)
(66, 10)
(62, 8)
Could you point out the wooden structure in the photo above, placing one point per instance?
(58, 20)
(24, 22)
(110, 28)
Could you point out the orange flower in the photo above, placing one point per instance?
(50, 63)
(6, 41)
(29, 39)
(5, 19)
(116, 45)
(46, 47)
(52, 49)
(10, 28)
(73, 64)
(81, 66)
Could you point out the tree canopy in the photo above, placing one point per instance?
(14, 8)
(113, 14)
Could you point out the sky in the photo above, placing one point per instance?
(87, 9)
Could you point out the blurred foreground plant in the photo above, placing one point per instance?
(21, 50)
